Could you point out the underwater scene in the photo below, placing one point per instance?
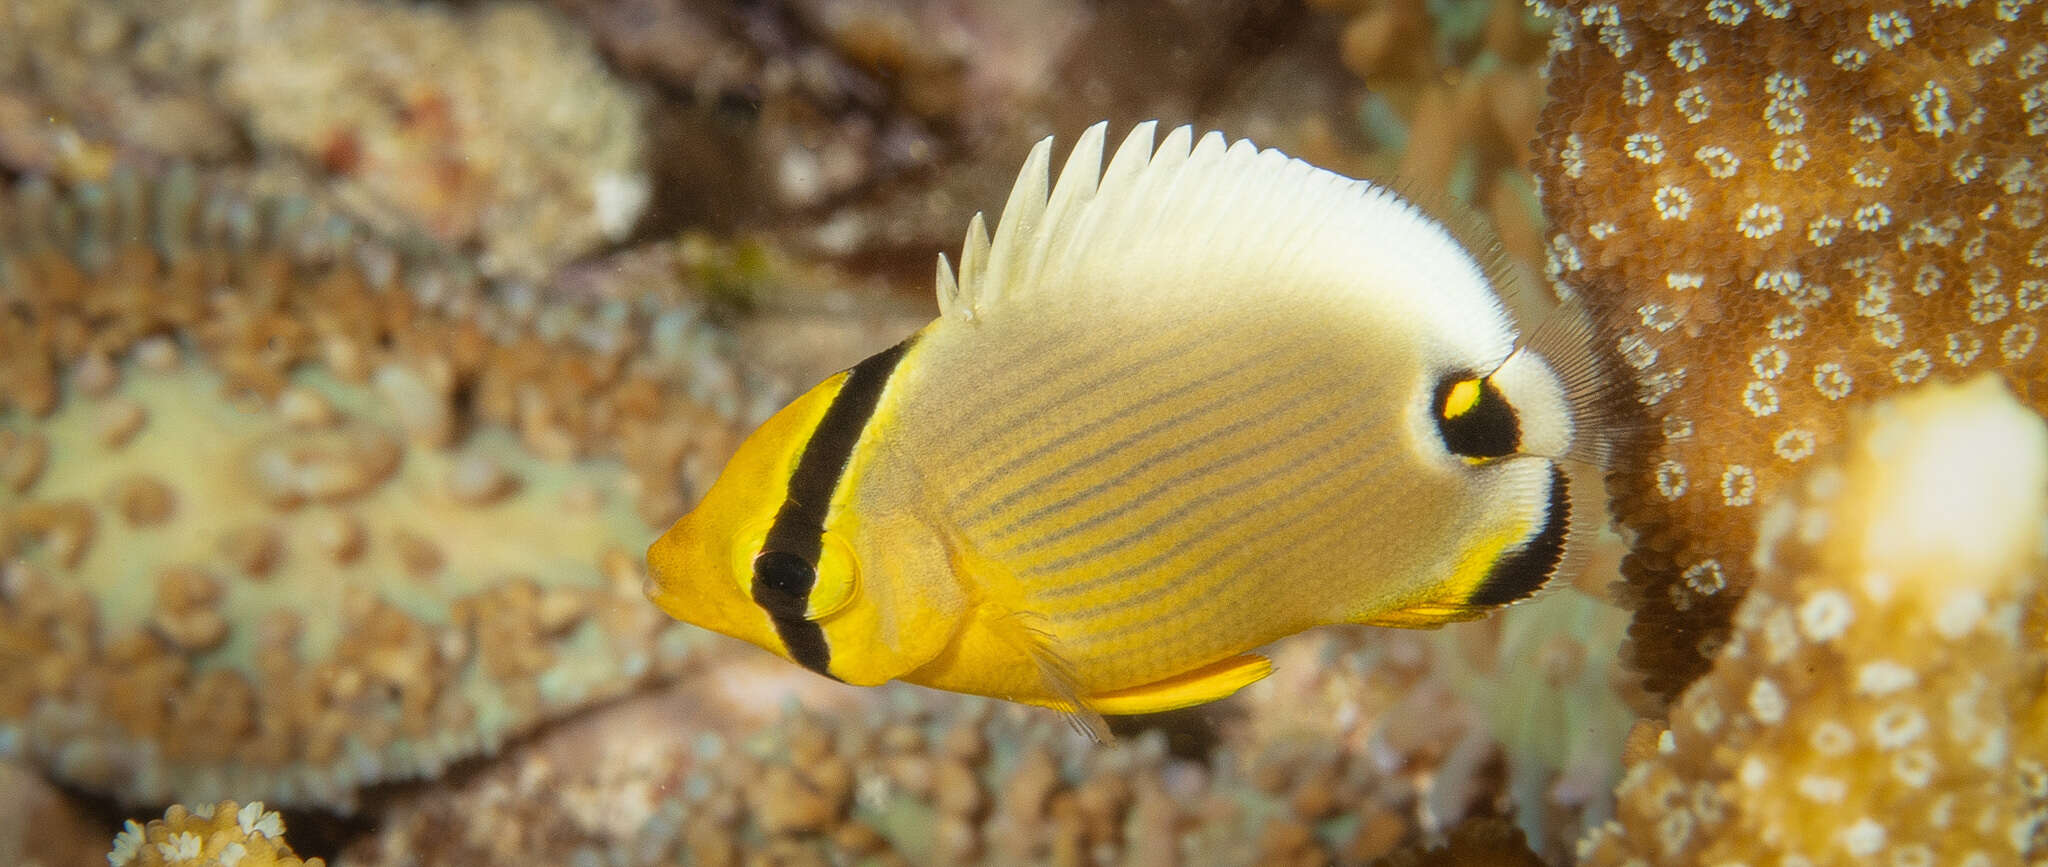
(534, 432)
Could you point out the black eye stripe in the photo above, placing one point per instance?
(782, 587)
(800, 523)
(1486, 428)
(786, 570)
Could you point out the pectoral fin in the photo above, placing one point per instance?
(1058, 678)
(1208, 683)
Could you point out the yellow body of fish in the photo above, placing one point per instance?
(1176, 409)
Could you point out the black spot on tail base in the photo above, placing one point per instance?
(1487, 428)
(1524, 571)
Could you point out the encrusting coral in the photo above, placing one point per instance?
(1776, 212)
(497, 127)
(208, 835)
(1882, 696)
(288, 511)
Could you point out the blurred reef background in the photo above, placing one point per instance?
(352, 352)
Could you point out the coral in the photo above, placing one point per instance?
(82, 80)
(498, 127)
(291, 511)
(1491, 842)
(861, 131)
(1544, 676)
(800, 115)
(226, 834)
(1881, 697)
(498, 130)
(1776, 214)
(1449, 104)
(792, 322)
(1353, 759)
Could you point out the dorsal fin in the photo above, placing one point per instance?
(1204, 218)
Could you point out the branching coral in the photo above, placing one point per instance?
(209, 835)
(1775, 213)
(1450, 101)
(1881, 697)
(289, 513)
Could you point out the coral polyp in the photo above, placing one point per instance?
(224, 834)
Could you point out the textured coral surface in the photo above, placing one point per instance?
(283, 524)
(1880, 698)
(1777, 212)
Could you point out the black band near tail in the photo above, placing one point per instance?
(1523, 572)
(787, 567)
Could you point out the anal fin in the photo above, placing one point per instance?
(1206, 684)
(1428, 615)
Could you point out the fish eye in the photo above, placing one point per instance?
(790, 586)
(782, 581)
(1474, 418)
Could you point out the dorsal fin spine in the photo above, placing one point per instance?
(1019, 226)
(1156, 179)
(974, 264)
(949, 292)
(1075, 188)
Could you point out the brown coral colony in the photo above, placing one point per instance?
(1777, 213)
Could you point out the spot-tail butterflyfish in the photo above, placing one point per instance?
(1177, 408)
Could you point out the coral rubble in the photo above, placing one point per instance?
(81, 80)
(1882, 697)
(225, 834)
(289, 512)
(901, 775)
(1776, 213)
